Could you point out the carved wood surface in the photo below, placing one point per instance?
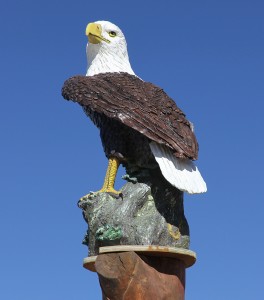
(128, 276)
(187, 256)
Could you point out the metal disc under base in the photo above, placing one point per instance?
(188, 256)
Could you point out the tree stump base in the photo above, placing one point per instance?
(152, 272)
(187, 256)
(129, 276)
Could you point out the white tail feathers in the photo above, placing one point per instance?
(181, 173)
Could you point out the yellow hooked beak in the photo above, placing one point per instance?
(94, 33)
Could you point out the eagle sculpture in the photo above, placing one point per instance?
(140, 126)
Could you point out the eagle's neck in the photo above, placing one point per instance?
(101, 60)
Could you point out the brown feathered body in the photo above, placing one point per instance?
(131, 113)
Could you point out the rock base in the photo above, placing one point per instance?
(146, 214)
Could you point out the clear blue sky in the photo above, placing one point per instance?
(209, 57)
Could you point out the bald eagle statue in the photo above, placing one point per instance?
(140, 126)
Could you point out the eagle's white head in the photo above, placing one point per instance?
(106, 49)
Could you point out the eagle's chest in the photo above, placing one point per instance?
(119, 138)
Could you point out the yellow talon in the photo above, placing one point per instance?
(110, 191)
(108, 186)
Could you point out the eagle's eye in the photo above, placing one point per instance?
(112, 33)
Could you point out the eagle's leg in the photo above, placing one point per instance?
(108, 186)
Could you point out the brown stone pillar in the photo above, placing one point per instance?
(129, 276)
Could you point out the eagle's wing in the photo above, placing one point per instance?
(137, 104)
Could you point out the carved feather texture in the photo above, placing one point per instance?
(137, 104)
(181, 173)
